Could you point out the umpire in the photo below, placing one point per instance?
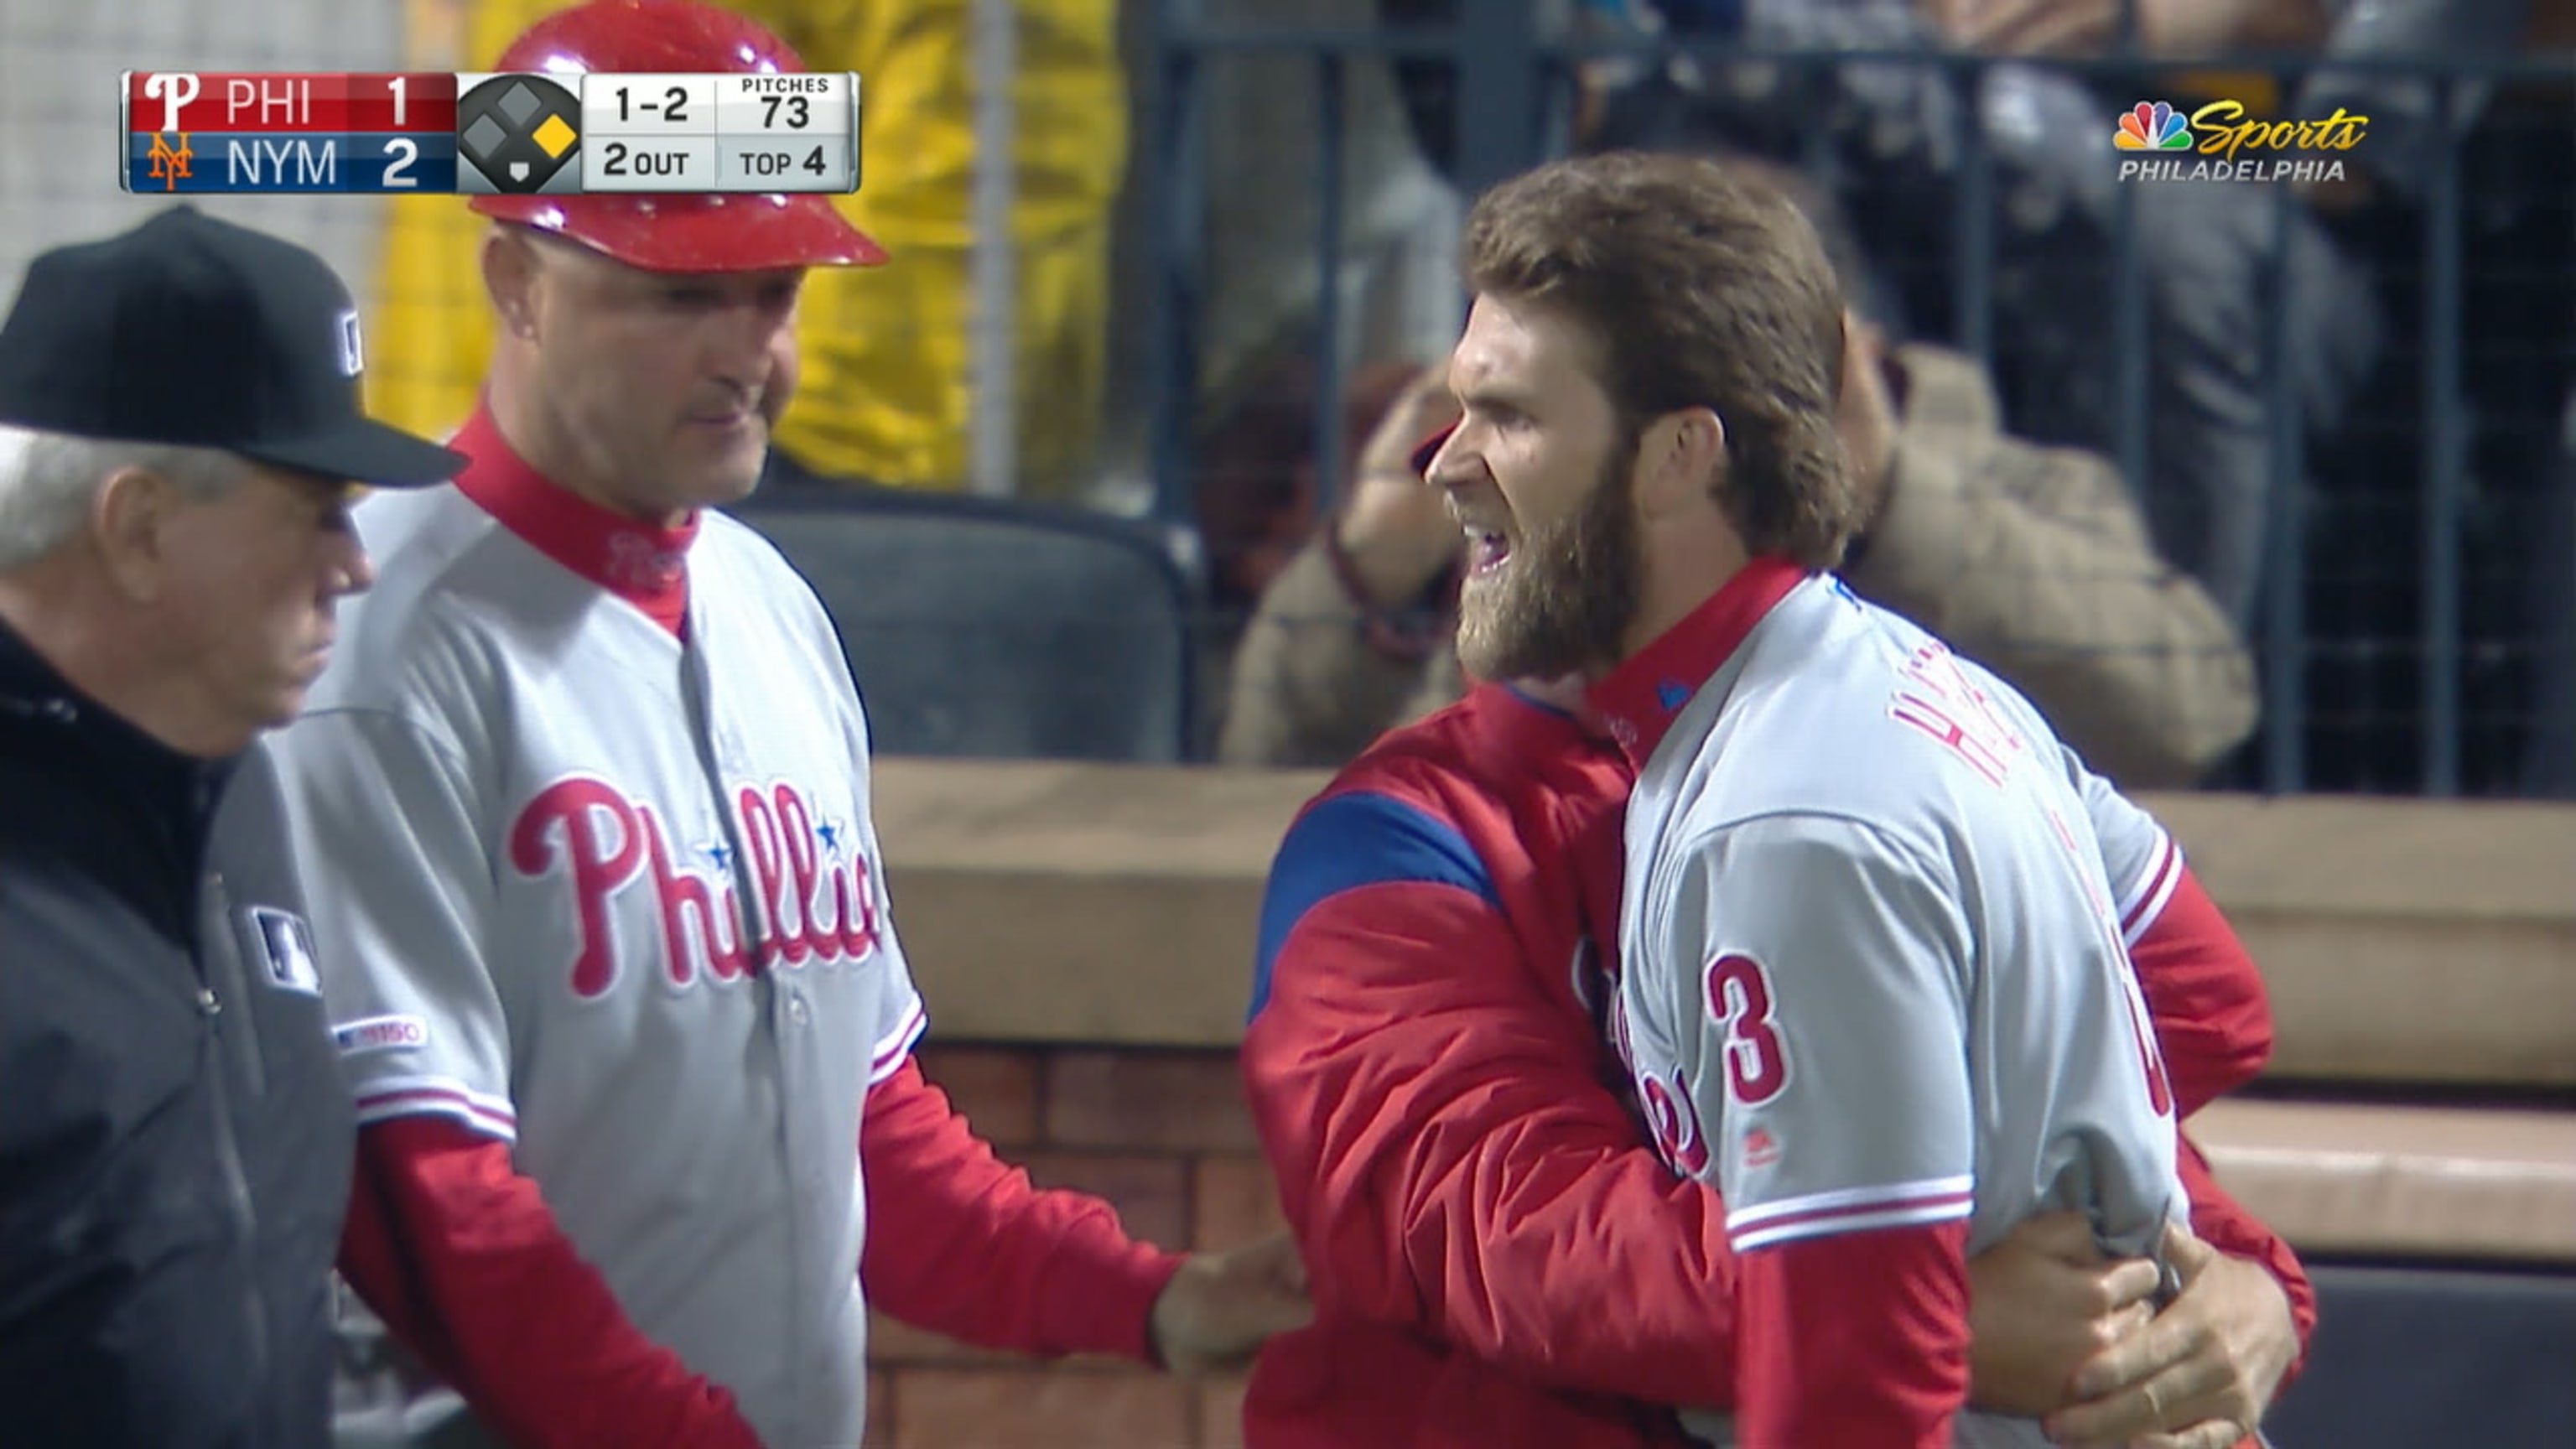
(179, 434)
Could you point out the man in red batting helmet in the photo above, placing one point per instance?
(610, 956)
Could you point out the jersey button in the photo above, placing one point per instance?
(796, 1010)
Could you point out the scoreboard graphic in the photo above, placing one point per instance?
(488, 133)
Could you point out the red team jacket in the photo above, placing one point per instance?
(1428, 1064)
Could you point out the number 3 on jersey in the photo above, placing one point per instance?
(1739, 1002)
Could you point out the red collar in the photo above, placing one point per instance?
(1640, 698)
(638, 562)
(1548, 722)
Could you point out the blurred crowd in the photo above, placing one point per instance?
(2094, 505)
(2137, 442)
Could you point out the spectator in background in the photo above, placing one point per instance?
(1258, 490)
(2031, 560)
(2406, 128)
(1259, 480)
(2512, 203)
(887, 393)
(1262, 137)
(1352, 635)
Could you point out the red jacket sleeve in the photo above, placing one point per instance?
(461, 1258)
(2212, 1020)
(2213, 1025)
(2224, 1224)
(1447, 1154)
(961, 1244)
(1860, 1338)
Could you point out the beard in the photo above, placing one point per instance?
(1563, 600)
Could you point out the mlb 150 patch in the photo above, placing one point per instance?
(379, 1034)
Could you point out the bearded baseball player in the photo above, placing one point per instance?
(1875, 985)
(1458, 1147)
(614, 971)
(1430, 1063)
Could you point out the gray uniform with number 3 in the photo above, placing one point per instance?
(1874, 929)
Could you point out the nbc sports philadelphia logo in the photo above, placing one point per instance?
(2221, 142)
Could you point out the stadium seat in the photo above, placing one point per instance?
(983, 628)
(2410, 1357)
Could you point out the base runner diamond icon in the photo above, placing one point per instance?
(517, 134)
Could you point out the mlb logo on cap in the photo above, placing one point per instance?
(353, 357)
(287, 945)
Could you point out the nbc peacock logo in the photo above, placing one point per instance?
(2152, 126)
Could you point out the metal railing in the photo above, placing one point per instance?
(1512, 86)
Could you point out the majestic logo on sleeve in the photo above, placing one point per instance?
(812, 884)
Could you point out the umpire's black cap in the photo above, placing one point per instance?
(195, 331)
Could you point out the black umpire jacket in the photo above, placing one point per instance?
(175, 1136)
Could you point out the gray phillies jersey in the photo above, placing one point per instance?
(535, 825)
(1876, 952)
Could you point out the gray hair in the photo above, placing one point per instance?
(48, 480)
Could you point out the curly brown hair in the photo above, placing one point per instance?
(1702, 286)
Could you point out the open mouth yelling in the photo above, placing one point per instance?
(1483, 517)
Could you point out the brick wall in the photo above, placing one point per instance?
(1163, 1135)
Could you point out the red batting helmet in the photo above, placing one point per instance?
(676, 233)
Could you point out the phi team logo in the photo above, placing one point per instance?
(287, 944)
